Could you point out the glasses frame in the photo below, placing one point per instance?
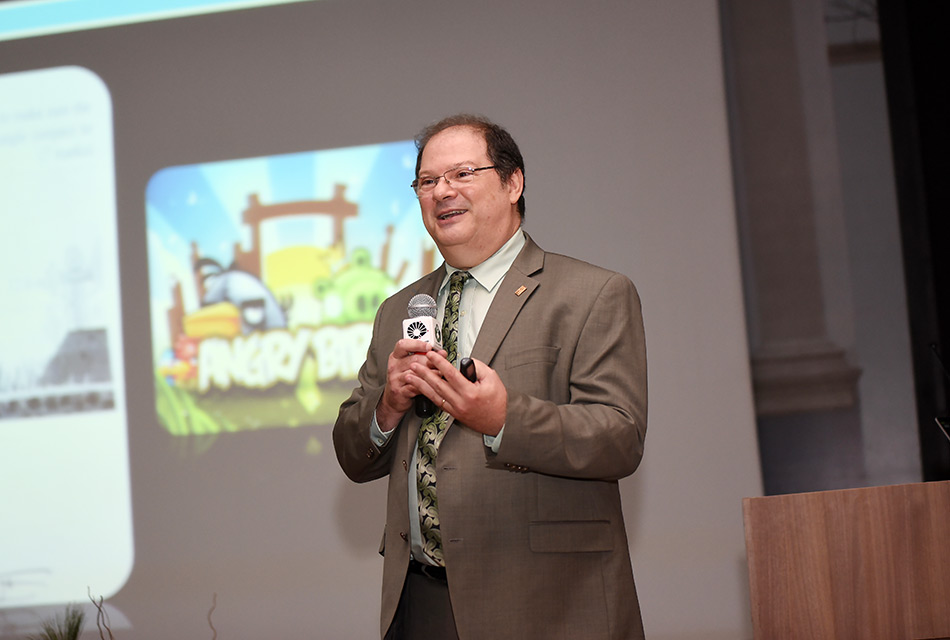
(416, 186)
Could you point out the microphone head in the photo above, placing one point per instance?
(422, 304)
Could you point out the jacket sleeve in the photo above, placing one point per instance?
(598, 433)
(361, 459)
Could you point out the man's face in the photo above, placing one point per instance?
(468, 222)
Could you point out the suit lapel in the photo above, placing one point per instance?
(514, 292)
(430, 283)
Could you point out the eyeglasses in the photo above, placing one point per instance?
(458, 175)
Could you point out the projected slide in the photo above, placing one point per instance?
(64, 464)
(265, 277)
(27, 19)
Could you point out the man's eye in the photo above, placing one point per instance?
(461, 174)
(427, 182)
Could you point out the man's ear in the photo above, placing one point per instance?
(515, 186)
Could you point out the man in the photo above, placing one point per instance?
(503, 516)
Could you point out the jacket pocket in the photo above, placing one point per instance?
(570, 536)
(531, 356)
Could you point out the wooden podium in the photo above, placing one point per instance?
(865, 564)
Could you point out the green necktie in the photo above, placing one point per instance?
(433, 428)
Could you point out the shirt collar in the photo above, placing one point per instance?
(490, 272)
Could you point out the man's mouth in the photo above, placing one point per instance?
(447, 215)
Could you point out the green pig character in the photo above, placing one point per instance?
(355, 292)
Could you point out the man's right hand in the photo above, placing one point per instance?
(399, 393)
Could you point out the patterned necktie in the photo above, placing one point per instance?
(433, 428)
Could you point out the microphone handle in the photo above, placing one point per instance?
(424, 407)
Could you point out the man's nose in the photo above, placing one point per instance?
(444, 189)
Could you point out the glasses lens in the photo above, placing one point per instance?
(424, 184)
(462, 174)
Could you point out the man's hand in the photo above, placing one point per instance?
(479, 405)
(400, 383)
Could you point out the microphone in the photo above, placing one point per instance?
(421, 325)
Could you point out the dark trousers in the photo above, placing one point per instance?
(424, 611)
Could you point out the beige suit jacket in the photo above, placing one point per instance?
(534, 537)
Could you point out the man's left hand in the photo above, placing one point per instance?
(480, 405)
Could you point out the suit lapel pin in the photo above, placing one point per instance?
(520, 290)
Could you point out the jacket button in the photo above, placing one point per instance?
(405, 466)
(369, 453)
(402, 534)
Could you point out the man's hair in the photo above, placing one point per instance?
(503, 151)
